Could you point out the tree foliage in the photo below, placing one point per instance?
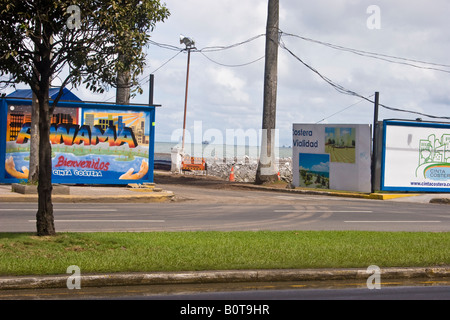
(79, 42)
(42, 38)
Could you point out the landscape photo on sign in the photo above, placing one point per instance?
(314, 170)
(340, 144)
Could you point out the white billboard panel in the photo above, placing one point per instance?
(332, 156)
(416, 156)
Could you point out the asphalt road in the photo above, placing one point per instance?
(217, 207)
(389, 293)
(200, 208)
(401, 289)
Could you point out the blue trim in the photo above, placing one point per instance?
(4, 116)
(383, 157)
(416, 124)
(151, 151)
(406, 189)
(407, 124)
(81, 104)
(53, 92)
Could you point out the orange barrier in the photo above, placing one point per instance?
(193, 164)
(232, 174)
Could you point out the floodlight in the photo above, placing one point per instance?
(188, 42)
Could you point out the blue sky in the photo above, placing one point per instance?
(315, 162)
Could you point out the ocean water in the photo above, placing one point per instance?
(219, 151)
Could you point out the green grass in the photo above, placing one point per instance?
(26, 254)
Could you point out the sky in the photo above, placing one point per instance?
(222, 98)
(314, 162)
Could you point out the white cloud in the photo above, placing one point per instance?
(321, 167)
(227, 98)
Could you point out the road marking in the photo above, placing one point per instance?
(69, 210)
(101, 220)
(324, 211)
(294, 198)
(305, 198)
(18, 209)
(392, 221)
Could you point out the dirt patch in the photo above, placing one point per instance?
(190, 179)
(168, 178)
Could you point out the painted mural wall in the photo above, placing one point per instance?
(90, 144)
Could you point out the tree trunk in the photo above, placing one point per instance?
(123, 85)
(123, 88)
(267, 169)
(33, 175)
(44, 216)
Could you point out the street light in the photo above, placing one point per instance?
(190, 44)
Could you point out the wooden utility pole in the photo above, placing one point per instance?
(185, 97)
(151, 89)
(267, 171)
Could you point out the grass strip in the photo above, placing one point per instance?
(27, 254)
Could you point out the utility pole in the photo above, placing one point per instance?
(186, 96)
(190, 44)
(151, 89)
(266, 171)
(375, 140)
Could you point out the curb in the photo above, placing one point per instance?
(224, 276)
(138, 198)
(440, 200)
(375, 196)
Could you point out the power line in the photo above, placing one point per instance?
(232, 65)
(354, 104)
(221, 48)
(202, 51)
(154, 71)
(337, 87)
(343, 90)
(165, 46)
(379, 56)
(205, 49)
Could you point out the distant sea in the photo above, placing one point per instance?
(219, 151)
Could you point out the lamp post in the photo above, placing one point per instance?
(190, 44)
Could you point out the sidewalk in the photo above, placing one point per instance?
(85, 194)
(442, 198)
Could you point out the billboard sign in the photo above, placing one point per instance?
(91, 143)
(332, 156)
(416, 156)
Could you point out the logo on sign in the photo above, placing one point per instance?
(434, 157)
